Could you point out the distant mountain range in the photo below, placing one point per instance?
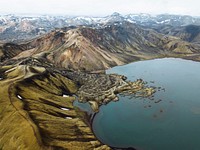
(19, 28)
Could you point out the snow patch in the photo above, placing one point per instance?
(131, 21)
(164, 21)
(68, 117)
(65, 95)
(64, 108)
(19, 96)
(83, 18)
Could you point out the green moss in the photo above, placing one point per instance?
(31, 114)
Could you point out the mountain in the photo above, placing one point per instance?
(164, 19)
(18, 28)
(190, 33)
(97, 48)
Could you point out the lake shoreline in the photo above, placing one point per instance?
(173, 109)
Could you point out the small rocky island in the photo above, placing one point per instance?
(37, 109)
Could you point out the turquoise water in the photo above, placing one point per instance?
(171, 124)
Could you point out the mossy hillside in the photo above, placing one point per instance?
(32, 116)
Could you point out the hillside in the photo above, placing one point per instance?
(190, 33)
(90, 48)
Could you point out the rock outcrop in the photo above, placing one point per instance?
(99, 89)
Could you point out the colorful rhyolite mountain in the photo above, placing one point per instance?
(89, 48)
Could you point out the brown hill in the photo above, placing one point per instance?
(96, 48)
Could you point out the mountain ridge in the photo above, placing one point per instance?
(19, 28)
(90, 48)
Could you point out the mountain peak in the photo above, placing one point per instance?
(116, 14)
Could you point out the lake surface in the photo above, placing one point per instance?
(171, 124)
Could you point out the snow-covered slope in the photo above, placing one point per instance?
(13, 27)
